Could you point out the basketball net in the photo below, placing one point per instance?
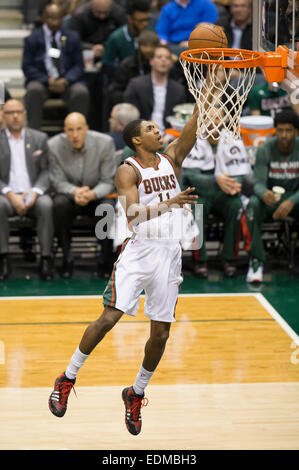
(220, 94)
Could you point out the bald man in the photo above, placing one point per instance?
(82, 169)
(53, 67)
(94, 21)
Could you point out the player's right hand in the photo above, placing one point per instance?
(185, 197)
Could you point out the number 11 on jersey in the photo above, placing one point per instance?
(161, 196)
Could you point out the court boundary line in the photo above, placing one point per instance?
(260, 297)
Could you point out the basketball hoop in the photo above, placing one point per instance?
(220, 80)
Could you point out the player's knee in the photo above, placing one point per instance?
(161, 337)
(107, 320)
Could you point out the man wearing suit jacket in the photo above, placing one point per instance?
(155, 94)
(53, 67)
(82, 169)
(24, 180)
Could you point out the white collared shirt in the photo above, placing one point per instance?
(237, 35)
(159, 92)
(19, 180)
(48, 42)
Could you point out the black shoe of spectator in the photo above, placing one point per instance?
(46, 268)
(4, 268)
(229, 269)
(67, 269)
(200, 270)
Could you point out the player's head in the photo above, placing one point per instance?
(138, 15)
(141, 134)
(287, 126)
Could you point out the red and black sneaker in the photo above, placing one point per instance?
(133, 403)
(59, 396)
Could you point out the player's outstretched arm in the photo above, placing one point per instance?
(182, 146)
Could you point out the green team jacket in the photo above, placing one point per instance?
(273, 168)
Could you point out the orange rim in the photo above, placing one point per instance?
(250, 58)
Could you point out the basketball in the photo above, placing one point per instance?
(207, 35)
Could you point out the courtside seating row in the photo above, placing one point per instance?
(280, 238)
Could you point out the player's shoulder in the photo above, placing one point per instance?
(126, 172)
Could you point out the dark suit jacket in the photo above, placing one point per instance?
(246, 39)
(139, 92)
(93, 30)
(33, 62)
(36, 151)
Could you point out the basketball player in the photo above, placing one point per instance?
(150, 260)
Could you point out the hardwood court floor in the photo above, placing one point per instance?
(229, 378)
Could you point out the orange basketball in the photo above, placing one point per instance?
(207, 35)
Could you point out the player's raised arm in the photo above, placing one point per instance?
(182, 146)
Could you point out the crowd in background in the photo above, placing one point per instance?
(113, 61)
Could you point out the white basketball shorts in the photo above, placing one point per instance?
(150, 265)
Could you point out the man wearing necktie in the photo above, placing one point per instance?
(53, 67)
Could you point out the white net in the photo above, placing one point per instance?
(220, 94)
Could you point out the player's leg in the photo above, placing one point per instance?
(133, 397)
(93, 334)
(161, 297)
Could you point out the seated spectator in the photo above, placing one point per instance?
(24, 181)
(122, 42)
(216, 169)
(276, 164)
(5, 97)
(178, 18)
(95, 21)
(238, 27)
(223, 9)
(53, 67)
(121, 115)
(267, 99)
(133, 66)
(82, 168)
(155, 94)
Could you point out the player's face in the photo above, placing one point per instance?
(151, 139)
(286, 134)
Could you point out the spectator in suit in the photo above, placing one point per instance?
(82, 168)
(238, 27)
(120, 116)
(123, 41)
(53, 67)
(133, 66)
(24, 181)
(178, 18)
(95, 21)
(5, 97)
(155, 94)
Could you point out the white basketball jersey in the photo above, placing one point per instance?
(157, 184)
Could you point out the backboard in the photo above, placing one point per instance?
(276, 23)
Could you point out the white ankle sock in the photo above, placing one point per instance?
(77, 361)
(142, 379)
